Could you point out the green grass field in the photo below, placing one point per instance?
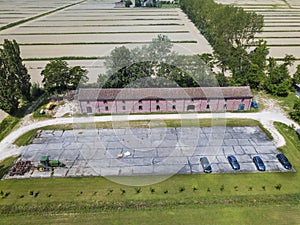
(181, 199)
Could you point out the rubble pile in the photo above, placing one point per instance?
(20, 168)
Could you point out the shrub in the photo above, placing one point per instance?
(195, 188)
(123, 191)
(20, 196)
(138, 190)
(278, 187)
(36, 194)
(166, 191)
(181, 189)
(49, 195)
(5, 195)
(152, 190)
(109, 191)
(222, 187)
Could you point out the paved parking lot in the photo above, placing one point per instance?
(155, 151)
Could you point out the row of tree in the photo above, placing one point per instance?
(15, 86)
(231, 31)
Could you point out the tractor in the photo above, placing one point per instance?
(46, 164)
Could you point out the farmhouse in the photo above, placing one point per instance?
(147, 100)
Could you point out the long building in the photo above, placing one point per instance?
(147, 100)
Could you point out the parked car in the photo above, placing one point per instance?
(259, 163)
(205, 165)
(233, 162)
(284, 161)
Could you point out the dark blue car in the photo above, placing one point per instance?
(205, 165)
(233, 162)
(284, 161)
(259, 163)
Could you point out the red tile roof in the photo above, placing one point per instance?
(163, 93)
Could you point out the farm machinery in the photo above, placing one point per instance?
(46, 164)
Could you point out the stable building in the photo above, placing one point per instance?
(148, 100)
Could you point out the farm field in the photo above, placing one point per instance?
(90, 30)
(281, 25)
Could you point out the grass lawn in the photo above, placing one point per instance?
(181, 199)
(7, 125)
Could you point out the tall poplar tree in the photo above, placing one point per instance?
(14, 77)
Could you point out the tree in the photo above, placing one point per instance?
(296, 76)
(14, 77)
(295, 114)
(155, 65)
(59, 77)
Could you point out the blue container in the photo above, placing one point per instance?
(254, 105)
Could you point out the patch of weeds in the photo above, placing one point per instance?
(166, 191)
(36, 194)
(278, 187)
(181, 189)
(4, 194)
(222, 188)
(152, 190)
(79, 193)
(264, 188)
(138, 190)
(236, 188)
(208, 189)
(31, 192)
(123, 191)
(194, 188)
(49, 195)
(109, 191)
(250, 188)
(20, 196)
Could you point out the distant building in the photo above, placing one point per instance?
(147, 100)
(298, 90)
(119, 4)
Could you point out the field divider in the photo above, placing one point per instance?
(112, 25)
(104, 43)
(109, 32)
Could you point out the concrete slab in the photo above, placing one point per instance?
(84, 156)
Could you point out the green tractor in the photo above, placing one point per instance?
(46, 164)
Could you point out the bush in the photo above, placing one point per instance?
(278, 187)
(123, 191)
(152, 190)
(138, 190)
(222, 187)
(181, 189)
(20, 196)
(49, 195)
